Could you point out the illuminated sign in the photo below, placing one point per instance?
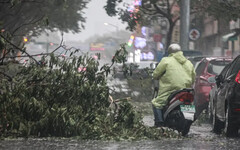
(144, 31)
(97, 47)
(140, 42)
(147, 56)
(135, 4)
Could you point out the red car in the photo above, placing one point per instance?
(208, 67)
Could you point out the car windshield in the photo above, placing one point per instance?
(215, 67)
(191, 53)
(195, 60)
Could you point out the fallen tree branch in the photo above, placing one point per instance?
(18, 48)
(9, 77)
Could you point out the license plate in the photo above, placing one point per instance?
(188, 108)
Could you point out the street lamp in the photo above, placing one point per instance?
(109, 24)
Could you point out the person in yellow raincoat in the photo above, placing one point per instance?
(174, 73)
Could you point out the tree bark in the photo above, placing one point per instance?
(169, 34)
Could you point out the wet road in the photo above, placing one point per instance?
(200, 138)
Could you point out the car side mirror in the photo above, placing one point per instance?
(211, 80)
(218, 79)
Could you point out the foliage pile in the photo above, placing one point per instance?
(55, 98)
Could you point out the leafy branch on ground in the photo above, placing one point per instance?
(55, 98)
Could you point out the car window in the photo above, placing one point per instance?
(225, 70)
(195, 60)
(200, 67)
(236, 67)
(216, 66)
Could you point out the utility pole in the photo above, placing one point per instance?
(184, 24)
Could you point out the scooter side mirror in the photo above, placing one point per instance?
(153, 65)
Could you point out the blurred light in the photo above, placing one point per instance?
(82, 69)
(95, 57)
(25, 39)
(130, 8)
(137, 3)
(140, 42)
(144, 31)
(105, 23)
(130, 41)
(129, 44)
(51, 44)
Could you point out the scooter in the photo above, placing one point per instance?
(179, 112)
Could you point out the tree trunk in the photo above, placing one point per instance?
(169, 34)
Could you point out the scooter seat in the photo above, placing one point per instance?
(176, 92)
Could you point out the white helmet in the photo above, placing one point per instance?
(173, 48)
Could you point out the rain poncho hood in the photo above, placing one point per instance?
(174, 73)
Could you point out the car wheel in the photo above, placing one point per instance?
(231, 130)
(217, 125)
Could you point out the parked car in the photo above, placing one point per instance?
(224, 102)
(208, 67)
(195, 60)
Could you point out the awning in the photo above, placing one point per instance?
(228, 37)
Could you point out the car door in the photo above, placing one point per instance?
(216, 86)
(199, 71)
(230, 78)
(225, 86)
(220, 93)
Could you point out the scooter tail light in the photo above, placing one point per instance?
(237, 79)
(187, 98)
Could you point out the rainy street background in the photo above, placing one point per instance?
(60, 60)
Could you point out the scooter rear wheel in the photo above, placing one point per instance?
(176, 120)
(186, 127)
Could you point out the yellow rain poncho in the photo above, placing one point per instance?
(174, 72)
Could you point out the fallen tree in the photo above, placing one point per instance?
(55, 98)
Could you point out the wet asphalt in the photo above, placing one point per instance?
(200, 137)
